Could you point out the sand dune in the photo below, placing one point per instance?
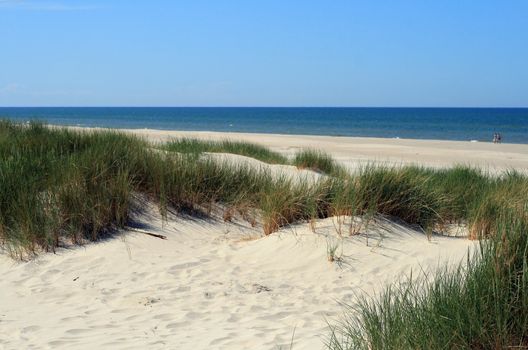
(277, 170)
(217, 285)
(210, 285)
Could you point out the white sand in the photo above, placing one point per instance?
(210, 285)
(216, 285)
(282, 171)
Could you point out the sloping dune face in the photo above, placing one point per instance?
(208, 285)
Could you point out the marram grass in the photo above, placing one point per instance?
(248, 149)
(60, 186)
(304, 159)
(317, 160)
(482, 305)
(60, 183)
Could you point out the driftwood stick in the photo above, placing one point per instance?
(148, 233)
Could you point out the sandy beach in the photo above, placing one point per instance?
(223, 285)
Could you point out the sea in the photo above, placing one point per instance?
(463, 124)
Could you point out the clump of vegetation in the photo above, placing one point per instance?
(482, 305)
(317, 161)
(306, 159)
(57, 183)
(61, 185)
(331, 251)
(403, 193)
(284, 202)
(248, 149)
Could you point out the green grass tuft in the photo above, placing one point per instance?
(317, 161)
(196, 146)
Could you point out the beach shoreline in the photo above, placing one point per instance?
(463, 124)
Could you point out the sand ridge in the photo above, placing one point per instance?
(210, 285)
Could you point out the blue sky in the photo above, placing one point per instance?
(264, 53)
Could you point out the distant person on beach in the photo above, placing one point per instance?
(497, 138)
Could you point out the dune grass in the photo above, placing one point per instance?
(61, 183)
(56, 184)
(317, 160)
(304, 159)
(59, 186)
(248, 149)
(483, 305)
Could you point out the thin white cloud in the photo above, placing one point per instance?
(44, 5)
(10, 88)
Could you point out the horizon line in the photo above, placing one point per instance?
(380, 107)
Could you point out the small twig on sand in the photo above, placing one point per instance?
(148, 233)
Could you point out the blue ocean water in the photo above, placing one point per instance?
(417, 123)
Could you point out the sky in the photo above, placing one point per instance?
(423, 53)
